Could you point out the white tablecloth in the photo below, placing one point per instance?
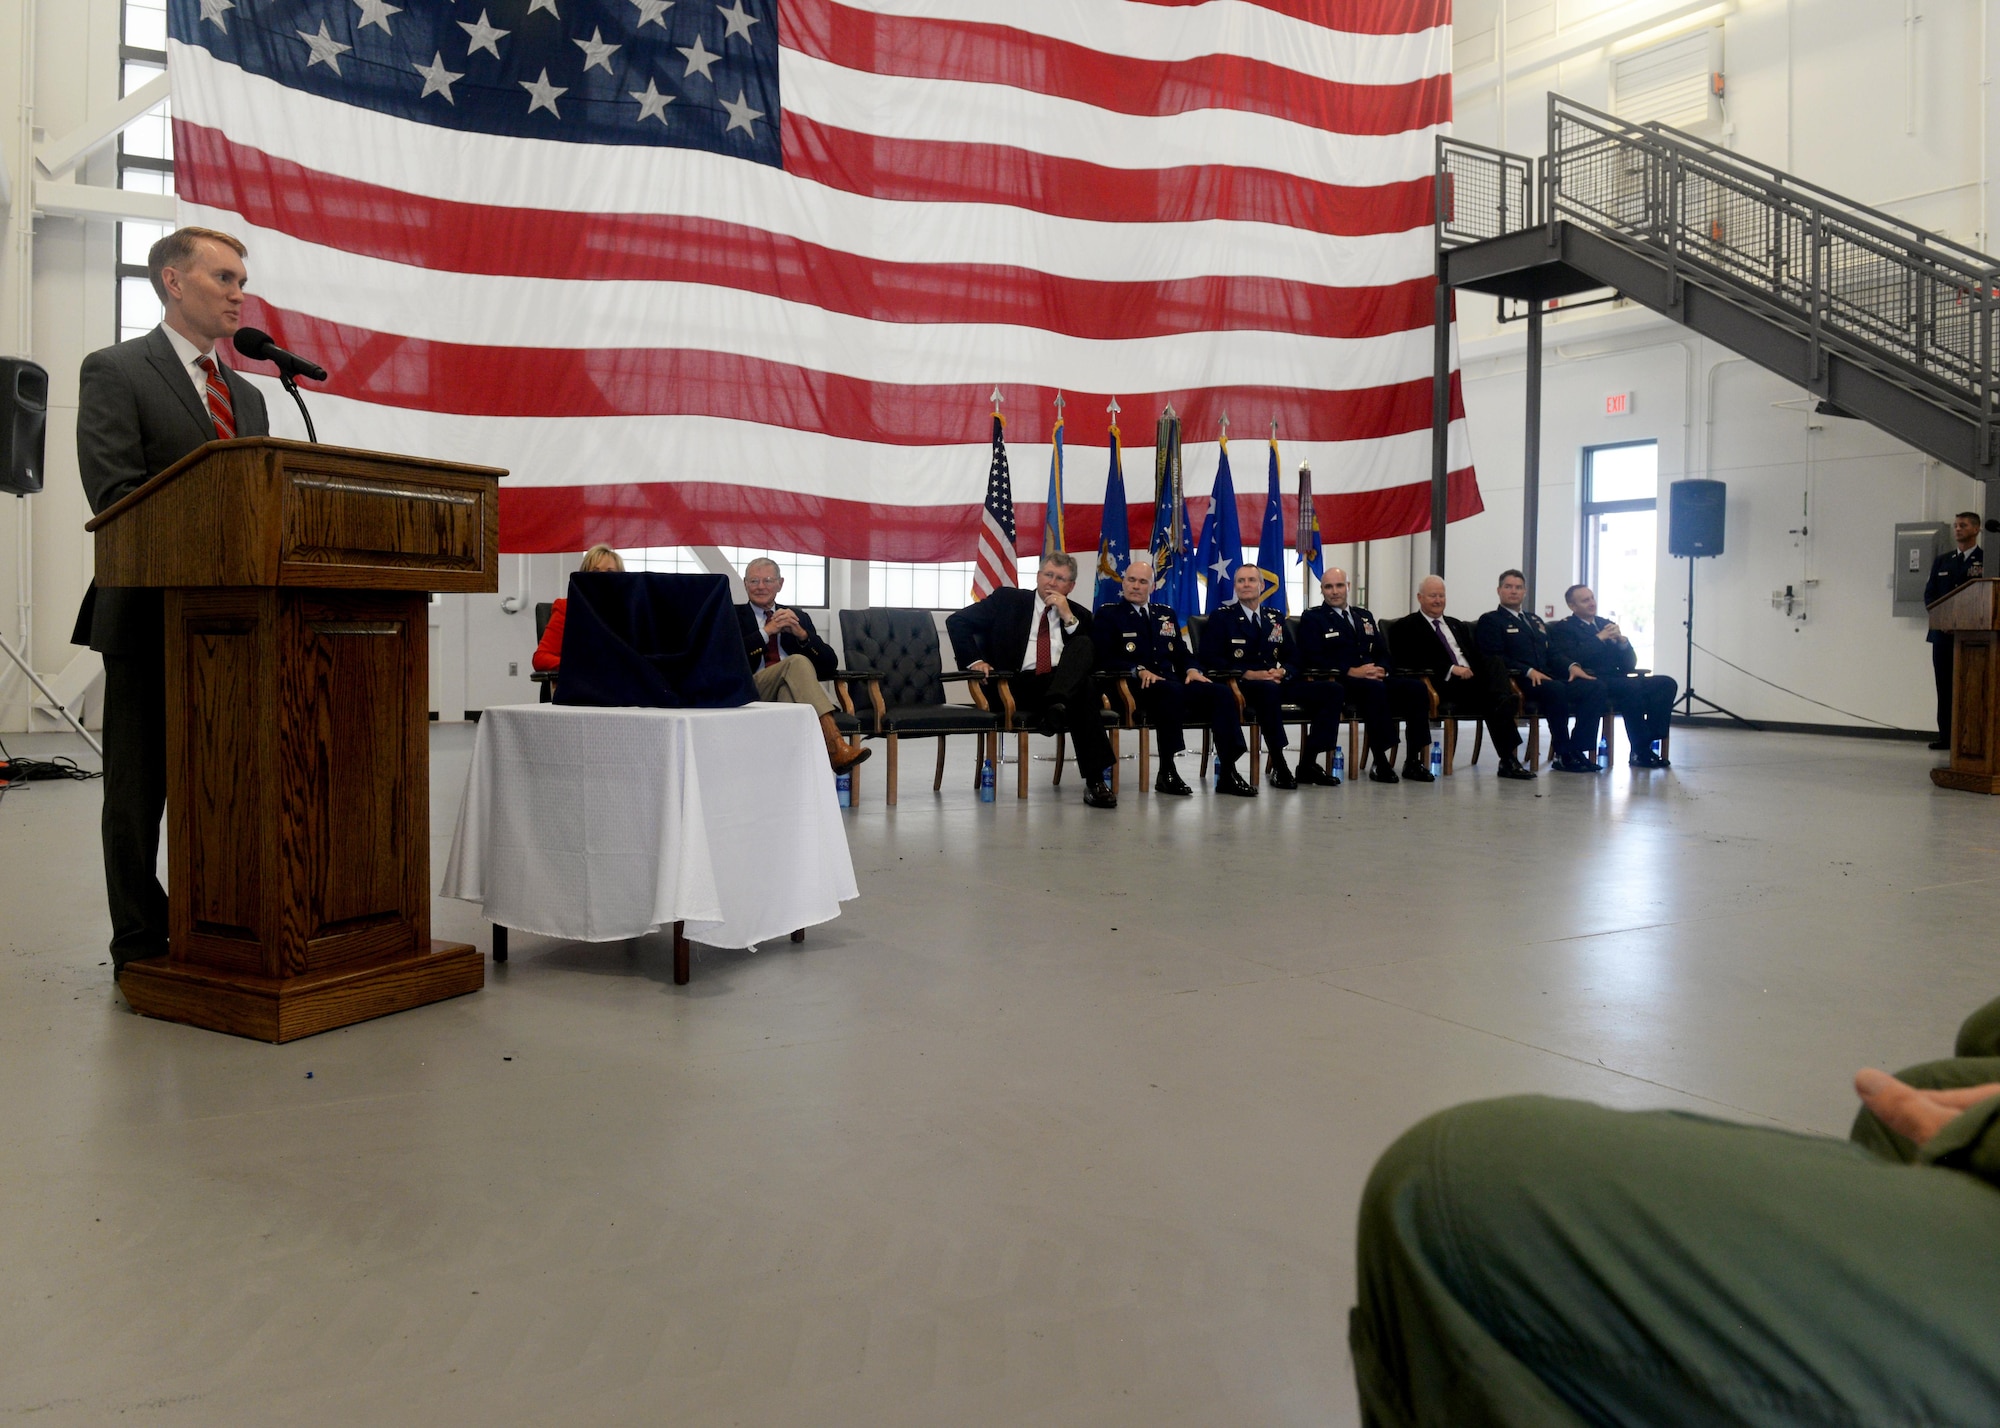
(595, 825)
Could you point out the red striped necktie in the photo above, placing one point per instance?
(217, 392)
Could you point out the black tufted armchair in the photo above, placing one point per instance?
(894, 661)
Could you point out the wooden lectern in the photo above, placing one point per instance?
(297, 579)
(1971, 614)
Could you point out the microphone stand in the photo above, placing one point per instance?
(291, 384)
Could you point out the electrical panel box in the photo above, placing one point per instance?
(1918, 543)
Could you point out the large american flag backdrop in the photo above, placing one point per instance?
(749, 274)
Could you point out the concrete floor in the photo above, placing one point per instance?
(1063, 1123)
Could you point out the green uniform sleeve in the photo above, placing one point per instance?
(1970, 1143)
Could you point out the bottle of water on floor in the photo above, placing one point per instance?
(843, 787)
(986, 780)
(1339, 762)
(1603, 750)
(1437, 758)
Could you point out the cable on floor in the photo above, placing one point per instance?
(1793, 692)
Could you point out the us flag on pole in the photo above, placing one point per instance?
(744, 272)
(995, 565)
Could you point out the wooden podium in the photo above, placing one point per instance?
(1971, 614)
(298, 753)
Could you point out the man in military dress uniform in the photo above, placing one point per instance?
(1255, 645)
(1560, 691)
(1948, 572)
(1346, 640)
(1645, 700)
(1142, 640)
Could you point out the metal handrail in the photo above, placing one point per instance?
(1906, 303)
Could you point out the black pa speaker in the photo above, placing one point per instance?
(1695, 512)
(24, 420)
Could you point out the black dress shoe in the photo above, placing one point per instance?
(1577, 763)
(1417, 773)
(1310, 772)
(1099, 795)
(1382, 773)
(1228, 781)
(1053, 719)
(1170, 781)
(1514, 768)
(1938, 744)
(1280, 773)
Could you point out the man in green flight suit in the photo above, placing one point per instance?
(1532, 1261)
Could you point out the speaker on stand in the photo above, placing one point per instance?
(1697, 522)
(24, 420)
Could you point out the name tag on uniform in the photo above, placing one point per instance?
(1513, 629)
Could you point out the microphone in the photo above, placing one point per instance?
(256, 344)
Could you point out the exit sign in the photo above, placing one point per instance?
(1618, 404)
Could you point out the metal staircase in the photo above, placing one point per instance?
(1881, 320)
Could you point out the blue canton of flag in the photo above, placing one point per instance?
(688, 74)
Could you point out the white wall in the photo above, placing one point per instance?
(1817, 87)
(56, 304)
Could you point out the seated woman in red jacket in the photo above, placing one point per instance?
(548, 654)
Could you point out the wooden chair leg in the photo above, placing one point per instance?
(1116, 761)
(854, 786)
(1478, 740)
(892, 770)
(1062, 741)
(1256, 755)
(937, 782)
(1450, 735)
(1535, 744)
(1609, 738)
(798, 934)
(1145, 758)
(1021, 764)
(980, 756)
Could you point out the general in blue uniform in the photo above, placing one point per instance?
(1948, 572)
(1563, 693)
(1255, 646)
(1645, 700)
(1345, 640)
(1143, 641)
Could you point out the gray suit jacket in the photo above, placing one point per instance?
(137, 414)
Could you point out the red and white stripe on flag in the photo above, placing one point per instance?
(1223, 204)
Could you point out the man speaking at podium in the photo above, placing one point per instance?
(142, 406)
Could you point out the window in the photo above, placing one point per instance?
(902, 585)
(1621, 486)
(805, 575)
(145, 161)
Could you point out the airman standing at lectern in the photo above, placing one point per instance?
(1948, 572)
(141, 406)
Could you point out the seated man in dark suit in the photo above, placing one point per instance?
(1564, 693)
(788, 659)
(1345, 639)
(1432, 642)
(1645, 700)
(1255, 644)
(1044, 637)
(1138, 638)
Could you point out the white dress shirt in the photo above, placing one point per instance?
(190, 355)
(1457, 655)
(1057, 629)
